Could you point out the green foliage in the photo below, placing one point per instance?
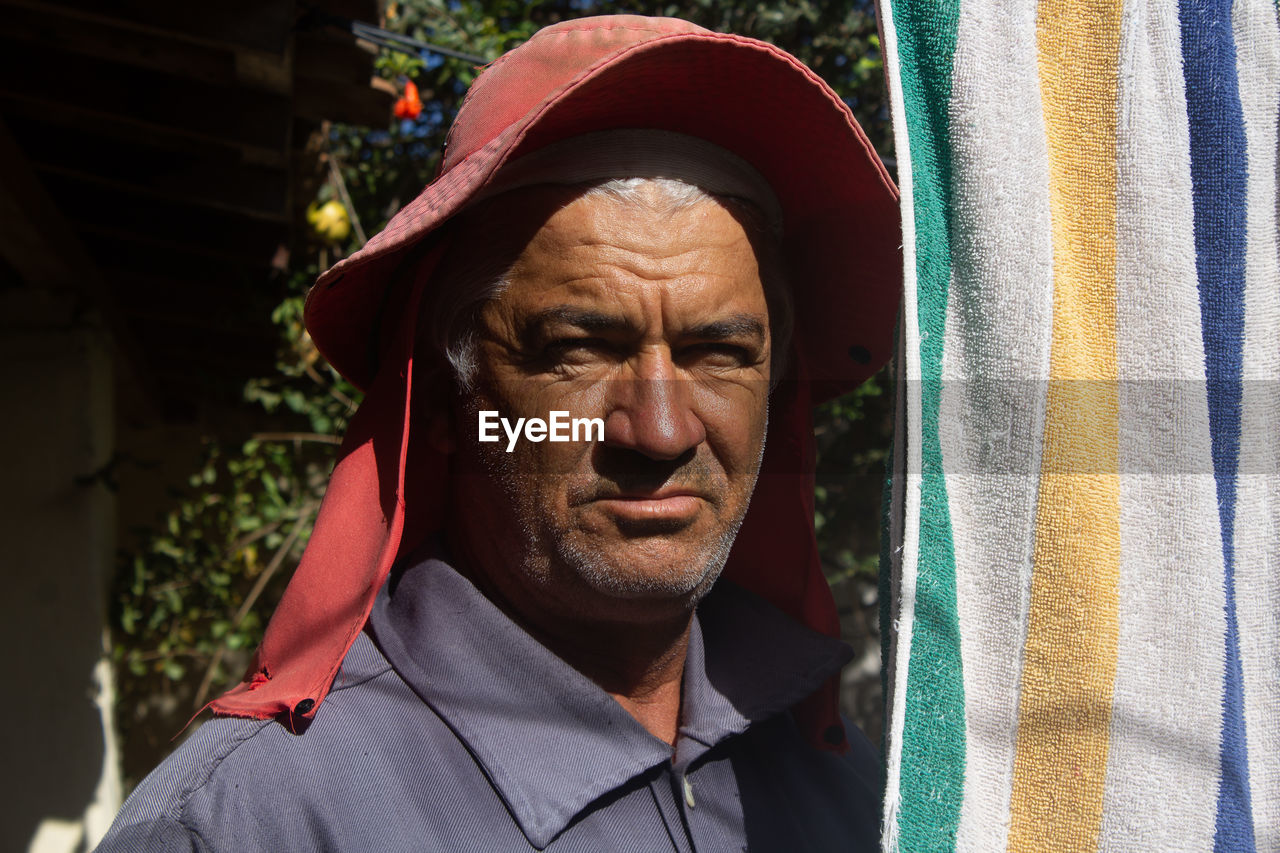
(182, 592)
(191, 600)
(852, 434)
(837, 40)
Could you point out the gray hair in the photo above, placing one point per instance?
(467, 279)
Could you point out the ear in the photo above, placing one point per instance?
(440, 431)
(435, 400)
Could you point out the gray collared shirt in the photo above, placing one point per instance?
(449, 728)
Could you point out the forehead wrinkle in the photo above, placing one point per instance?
(638, 263)
(709, 263)
(611, 263)
(614, 230)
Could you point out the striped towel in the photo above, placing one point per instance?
(1082, 584)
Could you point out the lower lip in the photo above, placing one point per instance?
(674, 508)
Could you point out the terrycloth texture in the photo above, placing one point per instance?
(1083, 644)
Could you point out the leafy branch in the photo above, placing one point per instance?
(304, 519)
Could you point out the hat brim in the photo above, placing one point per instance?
(841, 228)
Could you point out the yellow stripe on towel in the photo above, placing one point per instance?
(1069, 665)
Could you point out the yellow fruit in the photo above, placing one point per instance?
(329, 221)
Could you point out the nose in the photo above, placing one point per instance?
(653, 413)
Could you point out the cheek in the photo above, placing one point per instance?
(546, 465)
(557, 459)
(736, 424)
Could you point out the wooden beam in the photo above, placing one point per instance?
(36, 241)
(206, 179)
(80, 122)
(325, 55)
(39, 244)
(147, 240)
(159, 103)
(213, 324)
(117, 257)
(356, 10)
(353, 103)
(333, 81)
(260, 25)
(187, 299)
(200, 231)
(193, 189)
(51, 30)
(237, 358)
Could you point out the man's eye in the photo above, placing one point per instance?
(574, 349)
(715, 354)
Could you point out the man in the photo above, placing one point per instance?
(673, 240)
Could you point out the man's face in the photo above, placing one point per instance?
(655, 322)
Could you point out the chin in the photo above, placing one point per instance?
(678, 576)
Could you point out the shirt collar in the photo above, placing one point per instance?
(549, 739)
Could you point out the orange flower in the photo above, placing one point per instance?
(410, 104)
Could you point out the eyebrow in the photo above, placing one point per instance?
(587, 320)
(733, 326)
(725, 328)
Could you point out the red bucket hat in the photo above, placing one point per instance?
(841, 242)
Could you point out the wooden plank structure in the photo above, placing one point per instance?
(156, 159)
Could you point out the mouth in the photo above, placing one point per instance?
(665, 507)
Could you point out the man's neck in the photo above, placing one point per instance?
(641, 667)
(639, 663)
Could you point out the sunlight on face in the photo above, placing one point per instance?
(657, 323)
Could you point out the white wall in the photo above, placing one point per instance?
(56, 552)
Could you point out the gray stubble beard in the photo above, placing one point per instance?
(591, 566)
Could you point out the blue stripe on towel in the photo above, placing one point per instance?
(1218, 179)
